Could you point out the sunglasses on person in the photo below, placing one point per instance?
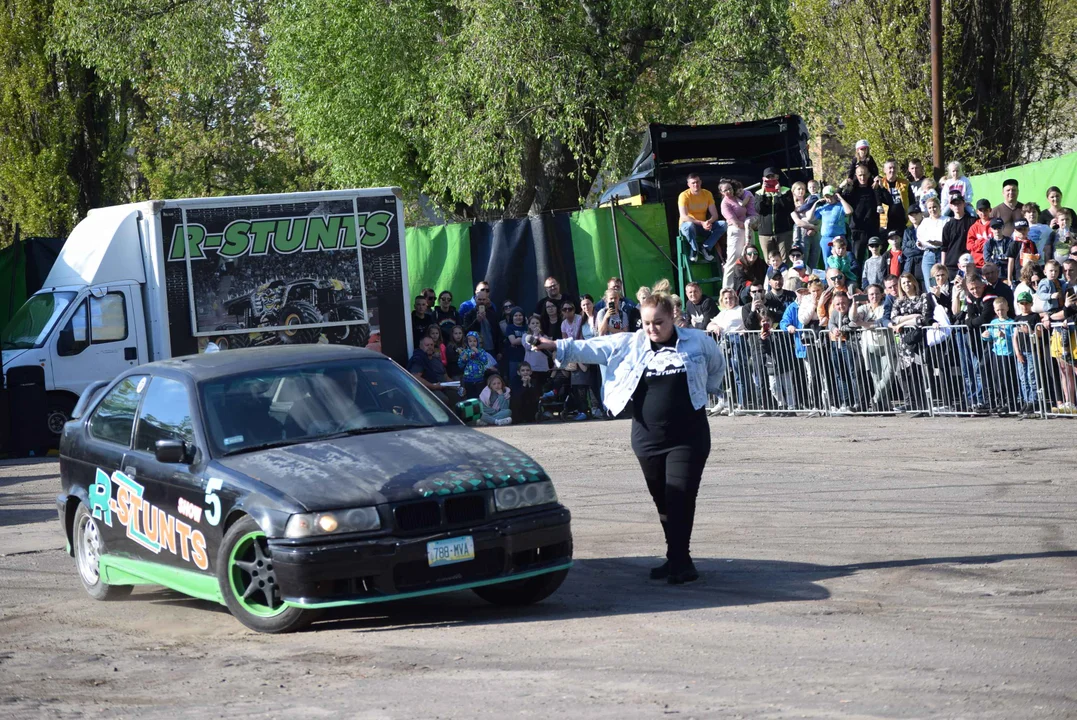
(568, 309)
(832, 277)
(755, 292)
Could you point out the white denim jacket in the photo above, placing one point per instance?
(625, 356)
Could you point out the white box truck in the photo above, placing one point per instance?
(152, 280)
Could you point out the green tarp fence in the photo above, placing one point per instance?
(12, 282)
(440, 257)
(1033, 180)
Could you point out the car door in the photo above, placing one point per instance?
(98, 341)
(113, 498)
(182, 509)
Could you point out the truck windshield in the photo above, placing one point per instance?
(288, 406)
(32, 323)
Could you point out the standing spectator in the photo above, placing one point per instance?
(804, 231)
(798, 274)
(911, 252)
(525, 395)
(1064, 245)
(506, 316)
(587, 312)
(1041, 234)
(594, 374)
(893, 260)
(997, 247)
(699, 219)
(469, 305)
(1022, 251)
(995, 285)
(482, 321)
(571, 323)
(421, 319)
(514, 344)
(842, 261)
(929, 235)
(955, 234)
(939, 286)
(832, 211)
(748, 271)
(550, 313)
(1064, 349)
(1030, 279)
(613, 318)
(916, 179)
(840, 328)
(475, 361)
(893, 217)
(1054, 208)
(553, 292)
(425, 365)
(972, 306)
(539, 362)
(875, 267)
(775, 215)
(980, 232)
(453, 347)
(667, 372)
(913, 311)
(699, 308)
(956, 183)
(999, 334)
(434, 333)
(445, 314)
(1052, 288)
(1027, 323)
(865, 195)
(1009, 209)
(737, 209)
(496, 402)
(777, 297)
(615, 283)
(863, 157)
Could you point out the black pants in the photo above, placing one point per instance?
(673, 478)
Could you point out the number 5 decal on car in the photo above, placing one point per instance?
(213, 511)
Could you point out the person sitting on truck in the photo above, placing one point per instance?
(425, 364)
(699, 217)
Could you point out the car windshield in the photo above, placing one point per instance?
(31, 324)
(273, 408)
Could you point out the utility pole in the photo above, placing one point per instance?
(936, 89)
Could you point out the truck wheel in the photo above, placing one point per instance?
(249, 584)
(356, 335)
(89, 547)
(522, 592)
(299, 313)
(58, 413)
(231, 342)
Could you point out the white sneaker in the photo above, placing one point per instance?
(503, 421)
(719, 408)
(707, 256)
(843, 409)
(693, 258)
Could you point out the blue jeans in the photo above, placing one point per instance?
(970, 365)
(844, 374)
(931, 257)
(1026, 380)
(693, 232)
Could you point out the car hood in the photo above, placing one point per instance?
(388, 467)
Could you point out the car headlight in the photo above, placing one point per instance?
(333, 522)
(526, 495)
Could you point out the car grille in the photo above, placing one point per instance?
(487, 564)
(442, 513)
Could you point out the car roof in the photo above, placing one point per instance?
(208, 366)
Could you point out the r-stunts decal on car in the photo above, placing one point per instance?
(284, 236)
(148, 525)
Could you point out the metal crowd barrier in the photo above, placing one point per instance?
(937, 371)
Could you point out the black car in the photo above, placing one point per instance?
(280, 481)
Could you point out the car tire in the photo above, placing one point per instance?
(58, 412)
(523, 592)
(89, 546)
(298, 313)
(248, 583)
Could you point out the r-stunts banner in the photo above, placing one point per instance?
(286, 274)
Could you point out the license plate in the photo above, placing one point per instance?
(453, 550)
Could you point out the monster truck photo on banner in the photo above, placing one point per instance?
(325, 271)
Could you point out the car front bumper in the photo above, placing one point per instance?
(390, 568)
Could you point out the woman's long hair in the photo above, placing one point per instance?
(658, 297)
(915, 284)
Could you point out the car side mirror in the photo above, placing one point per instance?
(469, 410)
(171, 451)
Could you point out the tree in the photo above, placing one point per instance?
(501, 108)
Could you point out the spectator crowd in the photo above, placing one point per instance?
(893, 292)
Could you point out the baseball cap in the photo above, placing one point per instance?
(893, 233)
(998, 223)
(983, 204)
(915, 209)
(874, 241)
(1024, 297)
(1020, 224)
(956, 197)
(964, 259)
(828, 190)
(796, 249)
(770, 171)
(862, 144)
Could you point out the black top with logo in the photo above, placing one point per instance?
(662, 412)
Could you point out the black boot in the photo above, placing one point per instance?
(683, 572)
(662, 571)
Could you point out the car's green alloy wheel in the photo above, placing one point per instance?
(89, 546)
(249, 584)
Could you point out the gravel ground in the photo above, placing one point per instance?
(852, 567)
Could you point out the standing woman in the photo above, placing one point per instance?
(594, 377)
(666, 372)
(912, 313)
(551, 319)
(929, 235)
(737, 213)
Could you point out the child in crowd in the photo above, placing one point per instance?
(434, 332)
(1041, 234)
(911, 252)
(876, 267)
(775, 264)
(1050, 290)
(539, 361)
(840, 259)
(1063, 236)
(496, 402)
(997, 248)
(999, 368)
(475, 361)
(1022, 251)
(956, 182)
(525, 396)
(1026, 323)
(453, 348)
(928, 190)
(515, 346)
